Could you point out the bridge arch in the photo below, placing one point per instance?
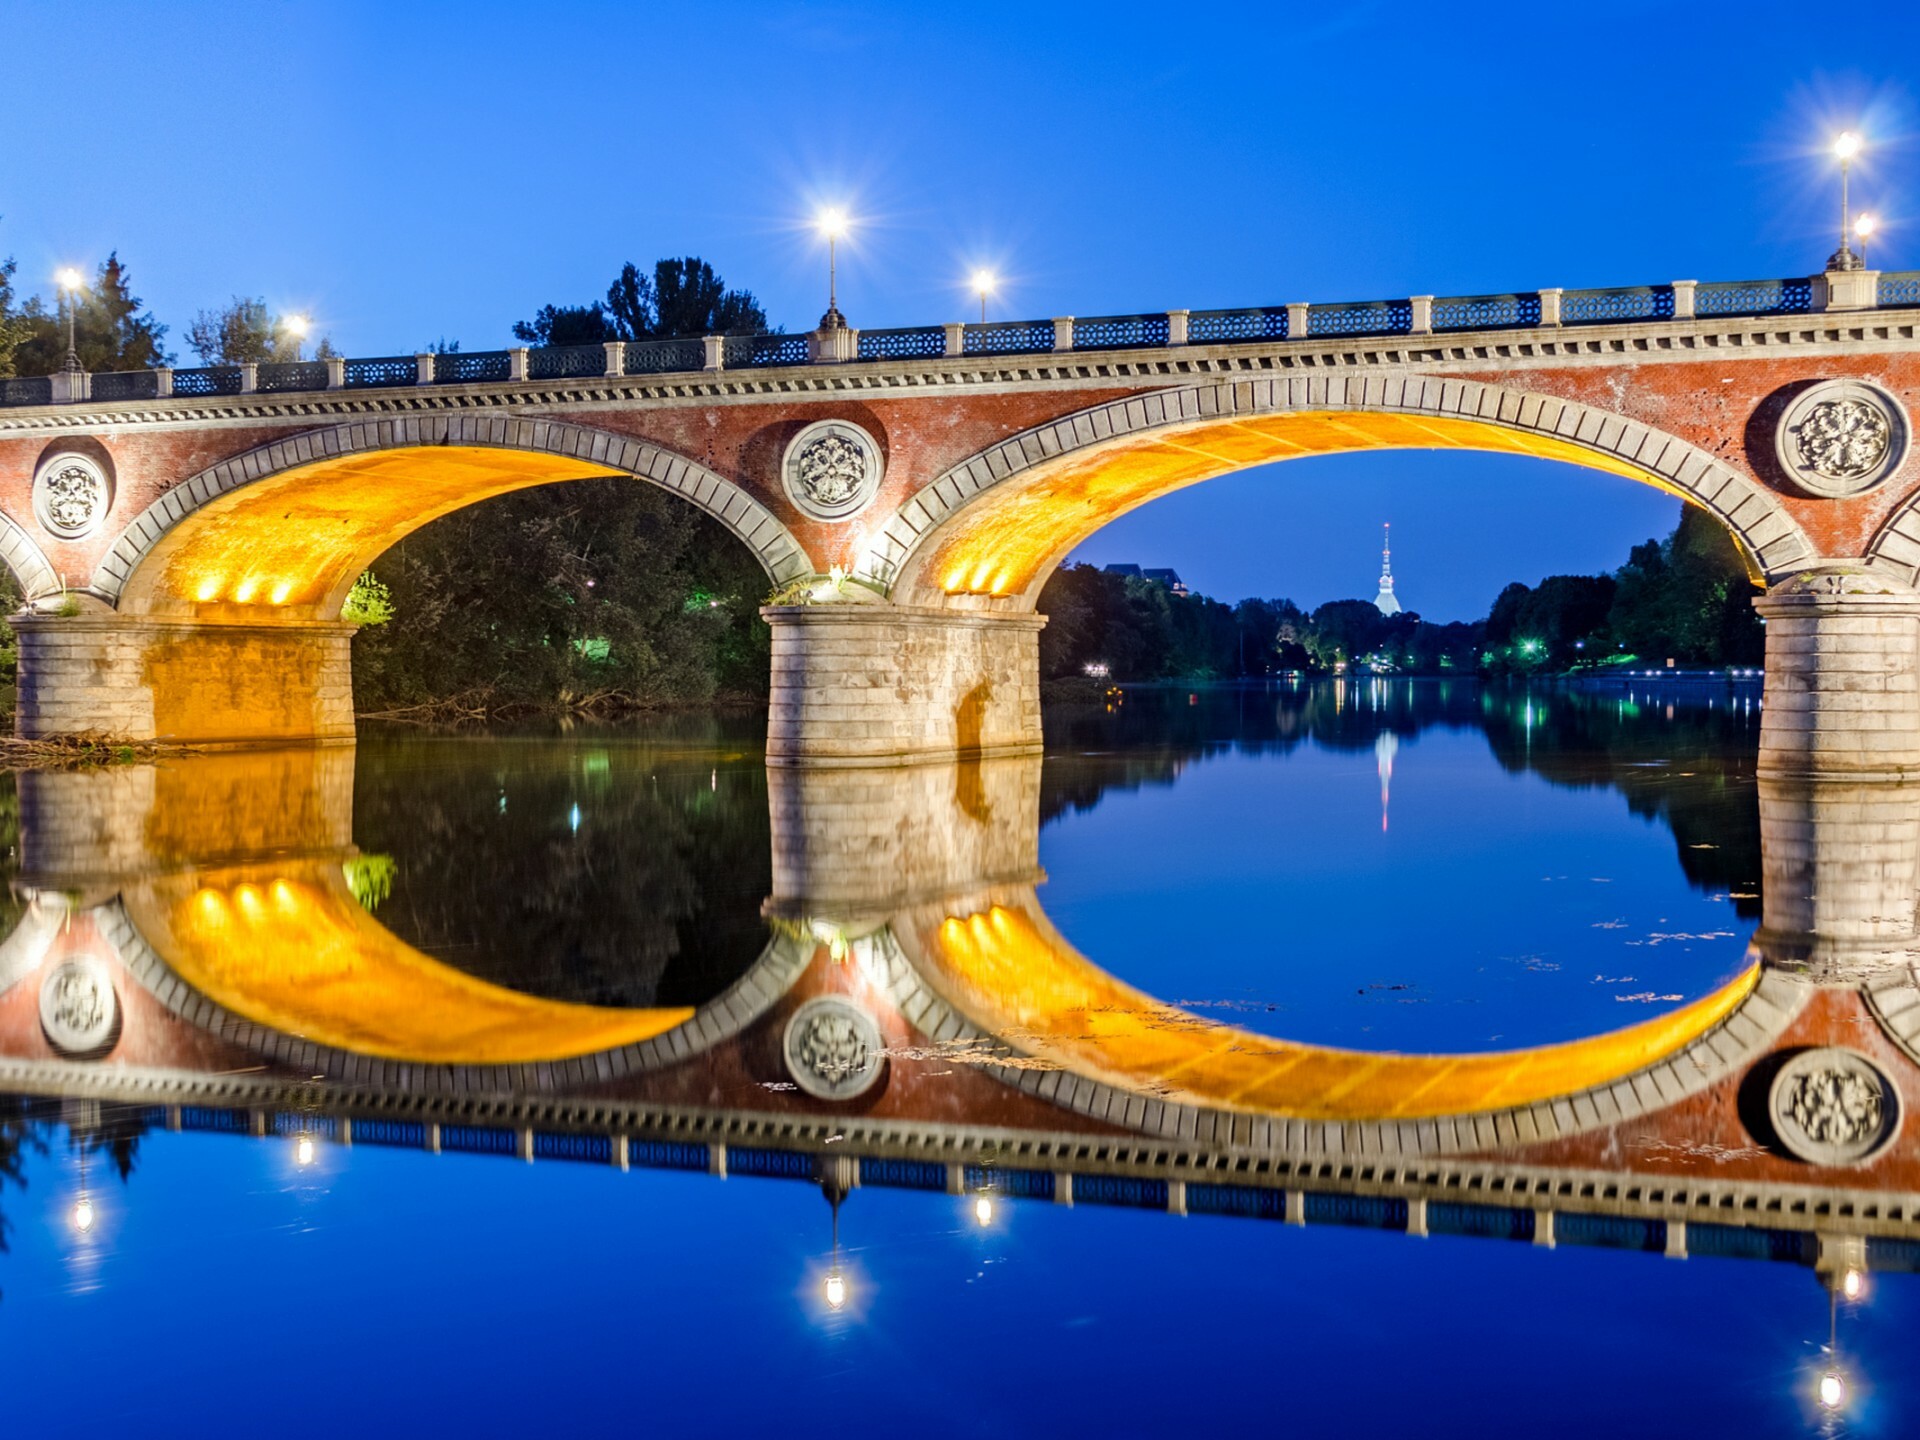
(26, 560)
(991, 530)
(282, 531)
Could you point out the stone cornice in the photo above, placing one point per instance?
(1870, 332)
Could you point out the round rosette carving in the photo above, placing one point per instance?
(833, 1048)
(832, 470)
(1841, 438)
(79, 1010)
(71, 496)
(1833, 1107)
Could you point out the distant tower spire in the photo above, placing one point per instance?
(1385, 600)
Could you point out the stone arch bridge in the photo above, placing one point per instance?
(186, 539)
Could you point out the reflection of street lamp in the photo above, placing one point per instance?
(983, 1210)
(303, 1151)
(71, 283)
(1832, 1390)
(837, 1175)
(1846, 146)
(82, 1216)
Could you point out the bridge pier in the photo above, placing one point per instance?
(1843, 678)
(862, 684)
(121, 677)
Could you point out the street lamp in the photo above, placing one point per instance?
(1863, 227)
(833, 225)
(71, 283)
(983, 283)
(1845, 148)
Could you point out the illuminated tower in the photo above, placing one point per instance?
(1385, 599)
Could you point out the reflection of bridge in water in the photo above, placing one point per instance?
(191, 955)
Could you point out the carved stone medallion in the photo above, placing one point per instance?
(79, 1010)
(71, 496)
(1833, 1107)
(833, 1048)
(832, 470)
(1842, 437)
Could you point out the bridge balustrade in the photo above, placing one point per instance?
(1245, 325)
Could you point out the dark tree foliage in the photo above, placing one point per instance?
(111, 328)
(681, 297)
(1688, 597)
(601, 592)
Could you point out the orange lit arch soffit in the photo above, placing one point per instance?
(283, 531)
(1022, 506)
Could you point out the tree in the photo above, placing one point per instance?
(1344, 630)
(681, 298)
(1688, 598)
(13, 329)
(246, 333)
(111, 330)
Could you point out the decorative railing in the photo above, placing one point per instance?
(1753, 297)
(659, 357)
(1215, 327)
(472, 367)
(1119, 332)
(1486, 312)
(749, 350)
(1900, 287)
(567, 362)
(1626, 302)
(124, 385)
(298, 375)
(918, 342)
(214, 380)
(1372, 317)
(1414, 316)
(1008, 337)
(384, 371)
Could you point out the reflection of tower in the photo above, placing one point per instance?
(1385, 599)
(1385, 744)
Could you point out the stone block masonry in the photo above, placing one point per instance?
(122, 678)
(872, 684)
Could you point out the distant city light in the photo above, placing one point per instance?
(1098, 669)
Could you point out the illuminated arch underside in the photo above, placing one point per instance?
(1016, 978)
(290, 546)
(1006, 541)
(290, 949)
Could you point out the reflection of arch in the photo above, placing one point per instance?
(26, 560)
(285, 529)
(1070, 1033)
(319, 984)
(996, 524)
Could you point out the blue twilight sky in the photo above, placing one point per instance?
(407, 173)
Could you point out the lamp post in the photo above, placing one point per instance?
(983, 283)
(833, 225)
(1845, 147)
(70, 282)
(1863, 227)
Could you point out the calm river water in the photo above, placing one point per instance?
(1148, 1085)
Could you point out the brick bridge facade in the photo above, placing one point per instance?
(186, 555)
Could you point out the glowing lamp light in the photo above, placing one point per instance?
(303, 1151)
(1865, 225)
(983, 282)
(836, 1291)
(1846, 145)
(1832, 1391)
(82, 1216)
(68, 278)
(296, 326)
(1853, 1284)
(832, 223)
(983, 1210)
